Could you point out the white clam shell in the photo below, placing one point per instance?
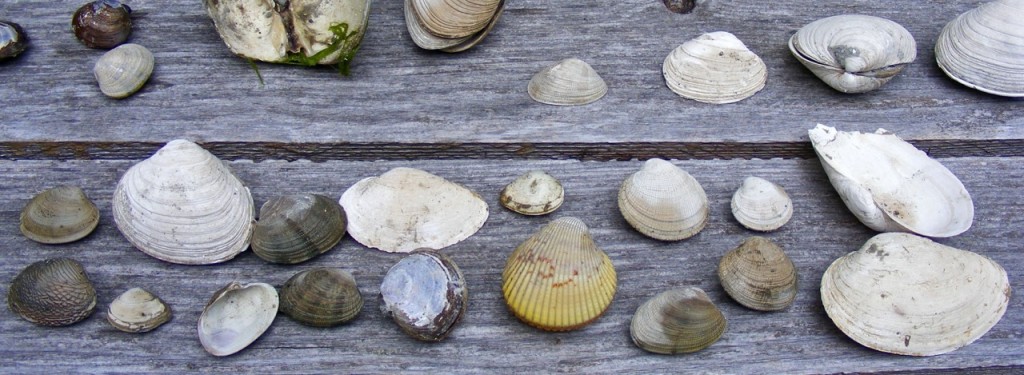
(407, 209)
(123, 70)
(236, 316)
(533, 193)
(182, 205)
(983, 48)
(714, 68)
(761, 205)
(890, 185)
(451, 25)
(854, 53)
(137, 310)
(907, 295)
(569, 82)
(663, 202)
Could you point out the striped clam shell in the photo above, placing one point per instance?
(321, 297)
(451, 25)
(123, 70)
(569, 82)
(682, 320)
(759, 275)
(295, 228)
(983, 48)
(59, 215)
(664, 202)
(761, 205)
(714, 68)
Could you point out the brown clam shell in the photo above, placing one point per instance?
(295, 228)
(321, 297)
(102, 24)
(759, 275)
(676, 321)
(59, 215)
(53, 292)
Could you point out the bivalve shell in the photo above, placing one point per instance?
(296, 228)
(533, 193)
(664, 202)
(59, 215)
(12, 40)
(451, 25)
(102, 23)
(714, 68)
(983, 48)
(425, 294)
(237, 315)
(52, 292)
(123, 70)
(682, 320)
(759, 275)
(761, 205)
(137, 310)
(321, 297)
(569, 82)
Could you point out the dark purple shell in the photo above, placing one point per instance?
(102, 24)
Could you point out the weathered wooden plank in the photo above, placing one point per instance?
(800, 339)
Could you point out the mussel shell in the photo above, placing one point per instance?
(569, 82)
(53, 292)
(664, 202)
(123, 70)
(761, 205)
(759, 275)
(296, 228)
(983, 48)
(321, 297)
(102, 24)
(235, 316)
(13, 40)
(59, 215)
(137, 310)
(714, 68)
(425, 294)
(533, 193)
(682, 320)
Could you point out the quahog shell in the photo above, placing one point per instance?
(321, 297)
(682, 320)
(137, 310)
(12, 40)
(533, 193)
(761, 205)
(854, 53)
(983, 48)
(663, 202)
(295, 228)
(237, 315)
(182, 205)
(123, 70)
(569, 82)
(425, 294)
(52, 292)
(102, 24)
(558, 279)
(451, 25)
(714, 68)
(759, 275)
(59, 215)
(908, 295)
(890, 185)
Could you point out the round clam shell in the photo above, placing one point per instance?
(759, 275)
(237, 315)
(321, 297)
(983, 48)
(682, 320)
(454, 18)
(102, 23)
(761, 205)
(908, 295)
(663, 202)
(295, 228)
(137, 310)
(714, 68)
(558, 279)
(425, 294)
(52, 292)
(123, 70)
(425, 39)
(533, 193)
(59, 215)
(569, 82)
(12, 40)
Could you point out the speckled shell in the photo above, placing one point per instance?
(52, 292)
(682, 320)
(59, 215)
(558, 279)
(663, 202)
(761, 205)
(533, 193)
(759, 275)
(983, 48)
(295, 228)
(908, 295)
(451, 25)
(102, 24)
(425, 294)
(714, 68)
(13, 40)
(321, 297)
(137, 310)
(237, 315)
(123, 70)
(569, 82)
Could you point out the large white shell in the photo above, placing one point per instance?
(663, 202)
(451, 25)
(984, 48)
(123, 70)
(183, 205)
(907, 295)
(569, 82)
(714, 68)
(407, 209)
(854, 53)
(890, 185)
(237, 315)
(761, 205)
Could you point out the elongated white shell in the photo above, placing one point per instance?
(183, 205)
(236, 316)
(663, 202)
(890, 185)
(907, 295)
(569, 82)
(761, 205)
(714, 68)
(984, 48)
(123, 70)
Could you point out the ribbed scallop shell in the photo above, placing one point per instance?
(854, 53)
(682, 320)
(714, 68)
(761, 205)
(137, 310)
(759, 275)
(321, 297)
(451, 25)
(569, 82)
(908, 295)
(425, 294)
(52, 292)
(984, 48)
(533, 193)
(59, 215)
(183, 205)
(558, 279)
(235, 316)
(296, 228)
(663, 202)
(123, 70)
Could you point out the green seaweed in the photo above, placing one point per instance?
(345, 41)
(252, 64)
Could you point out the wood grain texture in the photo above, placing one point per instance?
(800, 339)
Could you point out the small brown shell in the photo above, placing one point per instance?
(321, 297)
(677, 321)
(137, 310)
(102, 24)
(533, 193)
(425, 294)
(53, 292)
(59, 215)
(759, 275)
(295, 228)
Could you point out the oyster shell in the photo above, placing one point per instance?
(321, 297)
(137, 310)
(663, 202)
(759, 275)
(12, 40)
(569, 82)
(904, 294)
(761, 205)
(123, 70)
(682, 320)
(892, 186)
(714, 68)
(407, 209)
(183, 205)
(533, 193)
(52, 292)
(295, 228)
(983, 48)
(425, 294)
(59, 215)
(854, 53)
(558, 279)
(451, 25)
(236, 315)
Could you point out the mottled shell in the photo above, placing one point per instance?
(761, 205)
(237, 315)
(682, 320)
(904, 294)
(558, 279)
(123, 70)
(854, 53)
(183, 205)
(102, 24)
(52, 292)
(13, 40)
(425, 294)
(983, 48)
(569, 82)
(296, 228)
(59, 215)
(451, 25)
(533, 193)
(759, 275)
(321, 297)
(663, 202)
(714, 68)
(137, 310)
(407, 209)
(890, 185)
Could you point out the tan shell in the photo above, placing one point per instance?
(761, 205)
(425, 294)
(451, 25)
(984, 48)
(663, 202)
(183, 205)
(137, 310)
(321, 297)
(908, 295)
(759, 275)
(237, 315)
(52, 292)
(569, 82)
(714, 68)
(407, 209)
(682, 320)
(295, 228)
(123, 70)
(558, 279)
(533, 193)
(59, 215)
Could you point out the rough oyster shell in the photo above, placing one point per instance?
(569, 82)
(714, 68)
(533, 193)
(59, 215)
(123, 70)
(759, 275)
(663, 202)
(425, 294)
(682, 320)
(983, 48)
(321, 297)
(451, 25)
(761, 205)
(52, 292)
(295, 228)
(137, 310)
(237, 315)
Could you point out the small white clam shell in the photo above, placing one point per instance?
(533, 193)
(761, 205)
(237, 315)
(123, 70)
(137, 310)
(569, 82)
(983, 48)
(663, 202)
(714, 68)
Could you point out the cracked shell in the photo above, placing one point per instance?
(714, 68)
(237, 315)
(533, 193)
(123, 70)
(451, 25)
(137, 310)
(52, 292)
(425, 294)
(321, 297)
(761, 205)
(759, 275)
(682, 320)
(983, 48)
(295, 228)
(663, 202)
(59, 215)
(569, 82)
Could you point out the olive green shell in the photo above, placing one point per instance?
(682, 320)
(52, 292)
(295, 228)
(321, 297)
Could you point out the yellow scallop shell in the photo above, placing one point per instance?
(558, 279)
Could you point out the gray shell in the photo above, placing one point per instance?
(53, 292)
(425, 294)
(295, 228)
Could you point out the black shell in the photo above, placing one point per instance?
(102, 24)
(53, 292)
(12, 40)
